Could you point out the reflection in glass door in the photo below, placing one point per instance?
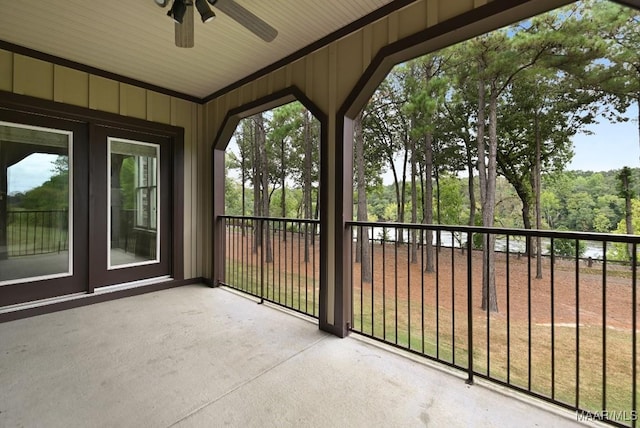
(134, 198)
(35, 203)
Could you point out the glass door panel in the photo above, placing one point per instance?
(36, 236)
(133, 218)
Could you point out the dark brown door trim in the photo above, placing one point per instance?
(85, 122)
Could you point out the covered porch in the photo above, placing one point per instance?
(196, 356)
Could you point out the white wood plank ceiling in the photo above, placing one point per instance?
(136, 38)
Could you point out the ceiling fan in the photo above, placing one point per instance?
(182, 13)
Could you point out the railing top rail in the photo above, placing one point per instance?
(281, 219)
(35, 211)
(556, 234)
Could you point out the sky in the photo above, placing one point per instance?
(30, 172)
(612, 146)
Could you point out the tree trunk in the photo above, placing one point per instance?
(414, 203)
(244, 179)
(428, 201)
(487, 174)
(403, 192)
(638, 107)
(283, 177)
(257, 182)
(362, 240)
(628, 220)
(308, 210)
(537, 190)
(265, 197)
(471, 183)
(490, 299)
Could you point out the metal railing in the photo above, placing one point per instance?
(565, 333)
(37, 232)
(274, 259)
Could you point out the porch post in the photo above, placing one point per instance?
(218, 248)
(4, 204)
(335, 311)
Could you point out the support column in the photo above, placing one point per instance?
(336, 165)
(219, 238)
(4, 204)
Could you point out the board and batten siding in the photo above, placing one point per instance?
(328, 75)
(41, 79)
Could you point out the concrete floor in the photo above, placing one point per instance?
(200, 357)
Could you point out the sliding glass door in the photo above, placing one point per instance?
(35, 215)
(43, 204)
(131, 214)
(85, 204)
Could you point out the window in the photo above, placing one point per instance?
(133, 182)
(35, 203)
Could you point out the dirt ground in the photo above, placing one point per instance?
(524, 297)
(516, 280)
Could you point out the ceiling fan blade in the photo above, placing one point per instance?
(184, 31)
(247, 19)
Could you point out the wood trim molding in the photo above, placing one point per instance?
(220, 142)
(93, 118)
(325, 41)
(21, 50)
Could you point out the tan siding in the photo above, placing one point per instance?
(310, 78)
(279, 79)
(366, 50)
(297, 72)
(33, 77)
(133, 101)
(288, 72)
(432, 13)
(352, 53)
(393, 26)
(6, 71)
(158, 107)
(348, 64)
(104, 94)
(412, 19)
(204, 194)
(71, 86)
(321, 80)
(261, 87)
(28, 76)
(183, 114)
(380, 32)
(199, 246)
(327, 76)
(449, 9)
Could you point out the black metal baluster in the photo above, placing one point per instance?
(508, 273)
(577, 267)
(422, 287)
(469, 312)
(604, 326)
(395, 247)
(529, 338)
(372, 281)
(409, 243)
(553, 320)
(634, 299)
(384, 285)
